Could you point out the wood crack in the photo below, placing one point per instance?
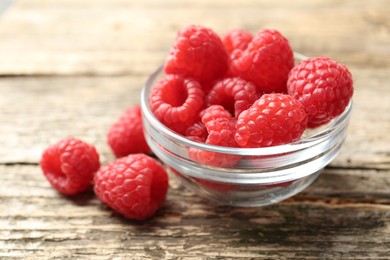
(356, 168)
(341, 199)
(73, 74)
(19, 163)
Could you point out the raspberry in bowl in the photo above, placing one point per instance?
(236, 141)
(257, 176)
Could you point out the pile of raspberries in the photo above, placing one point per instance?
(245, 91)
(239, 90)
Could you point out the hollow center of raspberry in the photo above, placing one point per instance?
(228, 104)
(175, 96)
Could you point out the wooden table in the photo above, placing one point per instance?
(70, 67)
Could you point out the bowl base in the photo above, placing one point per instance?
(244, 195)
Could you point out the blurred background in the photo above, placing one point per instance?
(87, 37)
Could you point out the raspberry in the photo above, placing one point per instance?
(197, 131)
(323, 86)
(234, 94)
(221, 129)
(198, 53)
(135, 186)
(220, 126)
(274, 119)
(236, 39)
(176, 102)
(266, 61)
(126, 135)
(69, 165)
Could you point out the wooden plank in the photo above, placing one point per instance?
(39, 111)
(266, 233)
(36, 222)
(68, 37)
(344, 214)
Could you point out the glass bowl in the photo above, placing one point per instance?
(259, 176)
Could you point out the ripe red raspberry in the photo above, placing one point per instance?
(323, 86)
(221, 130)
(274, 119)
(135, 186)
(266, 61)
(198, 53)
(234, 94)
(69, 165)
(126, 135)
(176, 102)
(220, 126)
(197, 131)
(236, 39)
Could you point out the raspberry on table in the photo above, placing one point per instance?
(234, 94)
(197, 53)
(274, 119)
(323, 86)
(176, 102)
(135, 186)
(69, 165)
(220, 131)
(266, 61)
(236, 39)
(126, 135)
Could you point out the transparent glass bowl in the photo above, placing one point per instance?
(260, 176)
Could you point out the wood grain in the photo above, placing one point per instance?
(70, 67)
(44, 109)
(126, 37)
(43, 224)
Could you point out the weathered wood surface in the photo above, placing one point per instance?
(68, 68)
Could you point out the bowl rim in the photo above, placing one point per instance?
(262, 151)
